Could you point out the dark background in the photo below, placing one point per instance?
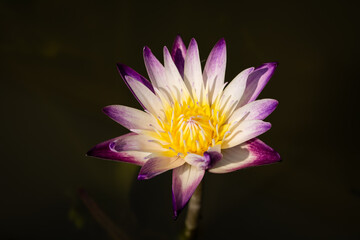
(58, 71)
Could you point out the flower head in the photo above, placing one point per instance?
(192, 120)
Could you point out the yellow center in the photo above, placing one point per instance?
(192, 128)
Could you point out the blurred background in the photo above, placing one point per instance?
(58, 71)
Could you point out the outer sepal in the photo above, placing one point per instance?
(249, 154)
(108, 150)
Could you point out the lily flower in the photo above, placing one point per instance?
(192, 122)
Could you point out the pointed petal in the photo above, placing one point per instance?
(175, 82)
(107, 150)
(184, 183)
(256, 82)
(233, 92)
(157, 165)
(155, 69)
(256, 110)
(150, 101)
(192, 70)
(214, 71)
(137, 142)
(245, 131)
(178, 54)
(127, 71)
(130, 118)
(249, 154)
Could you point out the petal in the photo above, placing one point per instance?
(249, 154)
(137, 142)
(107, 150)
(256, 82)
(130, 118)
(127, 71)
(184, 183)
(214, 157)
(192, 70)
(233, 92)
(175, 82)
(203, 162)
(155, 69)
(150, 101)
(245, 131)
(178, 54)
(214, 71)
(155, 166)
(256, 110)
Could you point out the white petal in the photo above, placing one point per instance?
(106, 150)
(184, 182)
(157, 165)
(131, 118)
(249, 154)
(245, 131)
(203, 161)
(198, 161)
(192, 71)
(258, 109)
(135, 142)
(151, 102)
(155, 69)
(176, 83)
(233, 92)
(214, 71)
(256, 82)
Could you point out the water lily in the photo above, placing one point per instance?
(192, 122)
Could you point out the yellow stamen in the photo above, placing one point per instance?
(192, 127)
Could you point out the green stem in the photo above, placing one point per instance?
(193, 215)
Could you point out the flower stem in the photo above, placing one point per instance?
(193, 215)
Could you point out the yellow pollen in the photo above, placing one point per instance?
(192, 127)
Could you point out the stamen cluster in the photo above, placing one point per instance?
(191, 127)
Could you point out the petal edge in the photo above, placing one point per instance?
(252, 153)
(184, 183)
(106, 150)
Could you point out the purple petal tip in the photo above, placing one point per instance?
(270, 64)
(178, 53)
(192, 42)
(221, 42)
(94, 152)
(147, 50)
(90, 153)
(175, 215)
(264, 153)
(166, 49)
(176, 211)
(142, 177)
(106, 110)
(178, 38)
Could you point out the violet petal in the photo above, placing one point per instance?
(184, 183)
(107, 150)
(178, 54)
(249, 154)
